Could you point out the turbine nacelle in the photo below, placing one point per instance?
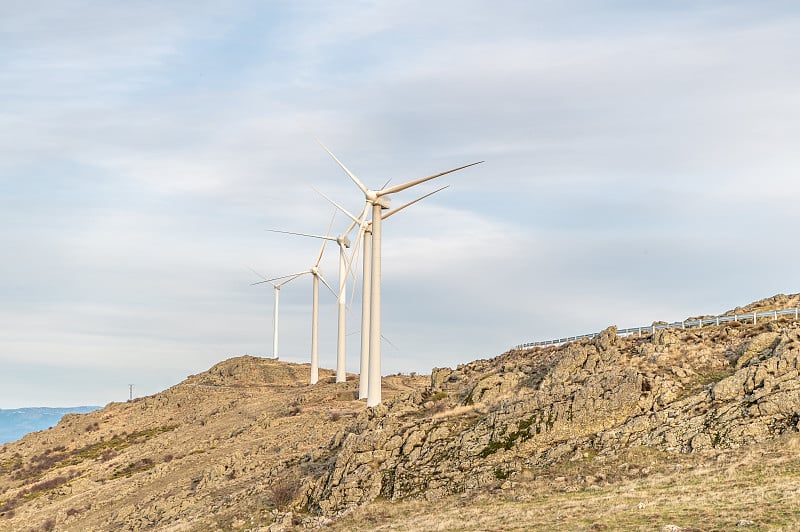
(379, 199)
(382, 201)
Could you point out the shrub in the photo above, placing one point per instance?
(283, 491)
(134, 467)
(437, 407)
(439, 396)
(108, 454)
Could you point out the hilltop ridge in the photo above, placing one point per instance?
(248, 445)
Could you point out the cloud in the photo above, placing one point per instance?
(640, 165)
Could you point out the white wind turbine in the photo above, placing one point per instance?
(343, 241)
(378, 200)
(276, 291)
(365, 232)
(317, 277)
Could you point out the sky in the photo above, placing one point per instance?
(641, 164)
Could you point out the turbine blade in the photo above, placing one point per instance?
(289, 280)
(356, 180)
(401, 207)
(357, 261)
(321, 251)
(353, 270)
(325, 240)
(300, 234)
(255, 272)
(292, 275)
(361, 230)
(398, 188)
(389, 342)
(362, 216)
(330, 225)
(349, 228)
(349, 215)
(353, 291)
(326, 284)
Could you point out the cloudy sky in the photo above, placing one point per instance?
(641, 165)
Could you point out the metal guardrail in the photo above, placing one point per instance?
(717, 320)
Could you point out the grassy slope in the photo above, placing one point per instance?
(642, 490)
(201, 452)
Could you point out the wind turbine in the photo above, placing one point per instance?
(343, 241)
(378, 200)
(317, 277)
(365, 232)
(277, 291)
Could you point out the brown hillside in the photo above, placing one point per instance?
(212, 452)
(692, 429)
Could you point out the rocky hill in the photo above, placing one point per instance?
(248, 445)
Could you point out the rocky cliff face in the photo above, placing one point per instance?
(249, 445)
(678, 390)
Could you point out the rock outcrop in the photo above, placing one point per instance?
(678, 391)
(249, 445)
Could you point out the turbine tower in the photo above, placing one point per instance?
(276, 291)
(365, 240)
(343, 241)
(317, 277)
(377, 201)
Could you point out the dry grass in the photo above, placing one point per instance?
(214, 441)
(283, 491)
(708, 492)
(461, 410)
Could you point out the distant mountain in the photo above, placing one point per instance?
(17, 422)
